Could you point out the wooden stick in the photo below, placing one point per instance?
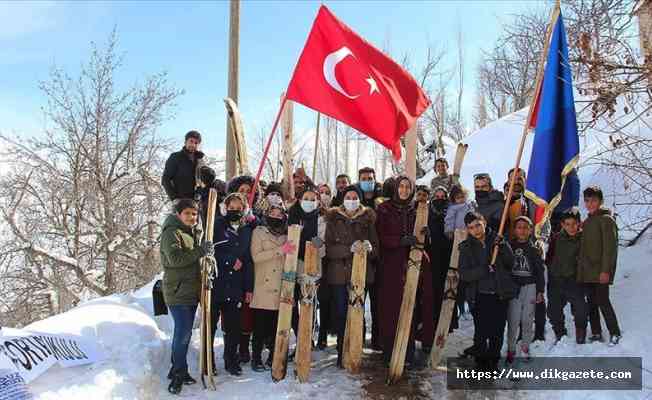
(411, 153)
(314, 158)
(526, 126)
(303, 355)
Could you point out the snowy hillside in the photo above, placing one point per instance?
(492, 149)
(138, 344)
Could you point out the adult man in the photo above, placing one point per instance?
(597, 263)
(490, 201)
(181, 174)
(372, 193)
(341, 183)
(442, 178)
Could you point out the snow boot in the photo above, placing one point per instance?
(509, 360)
(469, 352)
(580, 335)
(615, 339)
(243, 349)
(525, 350)
(176, 384)
(257, 364)
(596, 337)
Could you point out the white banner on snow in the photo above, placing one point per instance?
(12, 385)
(32, 353)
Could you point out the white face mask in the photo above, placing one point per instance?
(308, 205)
(351, 205)
(325, 198)
(274, 199)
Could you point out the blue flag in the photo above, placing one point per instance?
(556, 147)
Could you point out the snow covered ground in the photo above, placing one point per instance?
(138, 344)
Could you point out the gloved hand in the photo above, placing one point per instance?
(288, 248)
(207, 248)
(408, 240)
(366, 245)
(356, 246)
(317, 242)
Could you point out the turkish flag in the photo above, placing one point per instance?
(343, 76)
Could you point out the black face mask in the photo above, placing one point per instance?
(439, 204)
(233, 215)
(275, 223)
(481, 194)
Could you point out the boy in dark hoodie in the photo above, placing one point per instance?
(529, 275)
(490, 287)
(597, 263)
(562, 277)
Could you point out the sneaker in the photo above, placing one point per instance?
(257, 365)
(176, 384)
(596, 338)
(615, 339)
(234, 370)
(189, 380)
(509, 360)
(525, 350)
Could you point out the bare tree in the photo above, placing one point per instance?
(82, 202)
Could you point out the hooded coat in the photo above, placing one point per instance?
(180, 254)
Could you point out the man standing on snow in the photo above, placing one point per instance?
(597, 263)
(181, 174)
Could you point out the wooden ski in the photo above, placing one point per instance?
(287, 125)
(452, 278)
(353, 339)
(208, 265)
(237, 127)
(308, 285)
(397, 362)
(448, 304)
(282, 342)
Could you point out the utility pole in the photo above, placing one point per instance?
(234, 45)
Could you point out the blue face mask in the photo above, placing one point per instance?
(367, 186)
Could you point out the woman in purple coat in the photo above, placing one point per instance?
(395, 227)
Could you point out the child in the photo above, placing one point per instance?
(597, 263)
(562, 277)
(457, 210)
(527, 272)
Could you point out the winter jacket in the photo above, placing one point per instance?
(517, 208)
(598, 248)
(181, 174)
(528, 265)
(180, 254)
(446, 181)
(309, 225)
(455, 216)
(374, 201)
(563, 254)
(474, 268)
(341, 232)
(491, 208)
(232, 245)
(268, 262)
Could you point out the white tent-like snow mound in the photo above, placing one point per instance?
(492, 149)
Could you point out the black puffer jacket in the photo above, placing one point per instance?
(474, 268)
(181, 174)
(491, 208)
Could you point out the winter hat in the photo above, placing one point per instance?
(239, 196)
(352, 188)
(207, 175)
(236, 182)
(423, 188)
(524, 218)
(273, 187)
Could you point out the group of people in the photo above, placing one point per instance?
(502, 276)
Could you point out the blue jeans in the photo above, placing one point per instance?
(184, 317)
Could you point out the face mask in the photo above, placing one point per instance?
(439, 203)
(233, 215)
(274, 199)
(481, 194)
(274, 222)
(351, 205)
(367, 186)
(325, 198)
(308, 205)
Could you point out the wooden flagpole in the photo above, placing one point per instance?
(526, 126)
(314, 158)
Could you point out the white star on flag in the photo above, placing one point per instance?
(373, 86)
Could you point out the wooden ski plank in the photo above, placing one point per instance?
(206, 366)
(448, 304)
(353, 334)
(282, 342)
(397, 362)
(308, 286)
(237, 127)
